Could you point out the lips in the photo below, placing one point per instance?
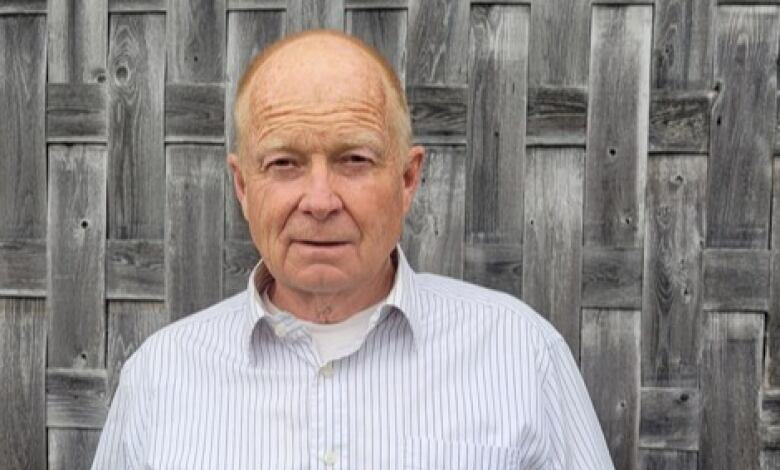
(322, 243)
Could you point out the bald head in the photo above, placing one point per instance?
(319, 71)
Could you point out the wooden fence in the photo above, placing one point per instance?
(609, 162)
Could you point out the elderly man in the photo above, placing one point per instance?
(338, 354)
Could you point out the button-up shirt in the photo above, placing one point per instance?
(449, 376)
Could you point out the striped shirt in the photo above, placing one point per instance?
(450, 376)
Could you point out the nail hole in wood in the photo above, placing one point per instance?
(84, 224)
(612, 152)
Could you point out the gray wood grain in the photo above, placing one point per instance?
(72, 449)
(730, 381)
(249, 32)
(23, 268)
(770, 418)
(559, 42)
(135, 128)
(77, 41)
(22, 399)
(770, 459)
(129, 324)
(438, 110)
(610, 362)
(653, 459)
(22, 7)
(552, 240)
(137, 6)
(612, 277)
(773, 314)
(736, 279)
(255, 5)
(495, 265)
(240, 257)
(314, 14)
(22, 133)
(557, 115)
(618, 122)
(195, 45)
(672, 320)
(385, 30)
(683, 44)
(76, 112)
(437, 42)
(378, 4)
(193, 227)
(670, 418)
(739, 175)
(194, 113)
(680, 121)
(76, 256)
(134, 269)
(76, 398)
(433, 234)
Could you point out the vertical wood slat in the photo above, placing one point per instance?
(76, 256)
(23, 180)
(433, 235)
(22, 399)
(77, 41)
(653, 459)
(618, 117)
(773, 315)
(672, 320)
(610, 362)
(552, 245)
(438, 42)
(72, 449)
(135, 131)
(498, 63)
(249, 32)
(739, 175)
(194, 234)
(195, 44)
(730, 382)
(385, 30)
(559, 43)
(314, 14)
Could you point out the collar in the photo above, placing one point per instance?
(402, 297)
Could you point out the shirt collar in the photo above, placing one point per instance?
(402, 297)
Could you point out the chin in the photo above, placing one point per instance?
(323, 280)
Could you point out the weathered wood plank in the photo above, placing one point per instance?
(22, 133)
(559, 42)
(680, 121)
(22, 7)
(22, 399)
(193, 227)
(669, 418)
(495, 265)
(497, 103)
(433, 235)
(195, 43)
(194, 112)
(557, 115)
(672, 320)
(137, 6)
(772, 376)
(552, 242)
(23, 268)
(314, 14)
(76, 256)
(385, 30)
(612, 277)
(654, 459)
(438, 42)
(618, 111)
(135, 129)
(736, 279)
(610, 367)
(770, 459)
(77, 41)
(76, 398)
(739, 175)
(730, 382)
(134, 269)
(129, 324)
(376, 4)
(251, 5)
(438, 110)
(770, 418)
(72, 449)
(249, 32)
(240, 257)
(76, 112)
(683, 44)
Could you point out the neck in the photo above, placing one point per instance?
(334, 307)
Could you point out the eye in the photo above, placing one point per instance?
(357, 159)
(279, 163)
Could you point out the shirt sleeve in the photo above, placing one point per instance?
(576, 439)
(123, 439)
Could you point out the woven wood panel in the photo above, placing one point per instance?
(609, 162)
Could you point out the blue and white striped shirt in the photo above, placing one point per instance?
(450, 376)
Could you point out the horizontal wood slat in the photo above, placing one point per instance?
(670, 418)
(194, 113)
(134, 269)
(76, 398)
(23, 268)
(770, 418)
(612, 277)
(76, 112)
(736, 279)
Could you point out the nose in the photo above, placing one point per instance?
(319, 199)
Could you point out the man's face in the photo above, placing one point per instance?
(322, 184)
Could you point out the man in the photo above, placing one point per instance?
(338, 354)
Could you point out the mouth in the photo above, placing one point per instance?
(321, 243)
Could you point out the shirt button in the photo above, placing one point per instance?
(327, 370)
(329, 457)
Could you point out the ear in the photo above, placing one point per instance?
(239, 184)
(411, 176)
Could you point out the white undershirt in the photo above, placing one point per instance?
(333, 340)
